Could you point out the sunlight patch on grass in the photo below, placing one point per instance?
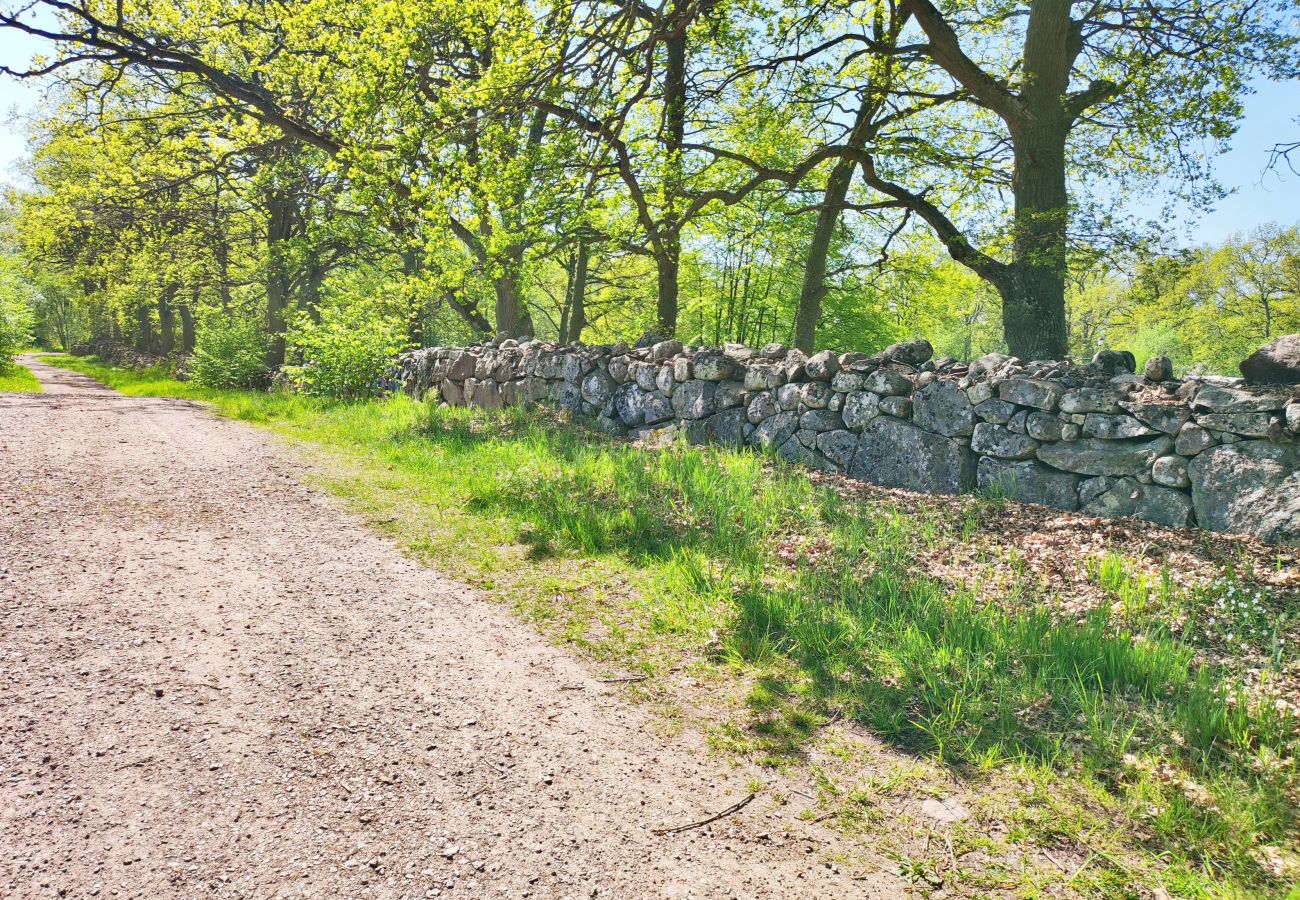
(16, 379)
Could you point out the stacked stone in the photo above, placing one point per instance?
(1095, 438)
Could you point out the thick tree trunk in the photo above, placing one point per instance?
(575, 313)
(144, 336)
(512, 317)
(814, 274)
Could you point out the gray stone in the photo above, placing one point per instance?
(1221, 399)
(943, 408)
(1166, 417)
(816, 395)
(714, 366)
(597, 387)
(796, 451)
(566, 395)
(1092, 488)
(909, 353)
(838, 446)
(776, 430)
(1070, 431)
(726, 428)
(1277, 362)
(1018, 423)
(996, 440)
(762, 406)
(682, 369)
(989, 364)
(773, 351)
(657, 409)
(1035, 392)
(895, 453)
(461, 365)
(665, 350)
(644, 374)
(1095, 457)
(1158, 368)
(574, 366)
(821, 420)
(1192, 439)
(618, 368)
(787, 396)
(762, 377)
(980, 392)
(1043, 426)
(836, 402)
(1114, 427)
(694, 399)
(822, 366)
(1251, 487)
(1292, 417)
(1089, 400)
(1129, 497)
(848, 381)
(453, 394)
(1246, 424)
(999, 412)
(896, 406)
(664, 380)
(860, 407)
(889, 383)
(729, 394)
(793, 365)
(611, 426)
(1114, 362)
(1171, 471)
(1029, 482)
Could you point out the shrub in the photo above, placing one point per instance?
(345, 355)
(229, 352)
(15, 329)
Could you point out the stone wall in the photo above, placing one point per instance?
(1213, 452)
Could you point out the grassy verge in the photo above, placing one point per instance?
(1136, 744)
(15, 379)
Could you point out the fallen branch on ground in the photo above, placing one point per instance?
(710, 820)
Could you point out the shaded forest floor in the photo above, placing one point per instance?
(990, 698)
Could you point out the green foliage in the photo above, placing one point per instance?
(347, 354)
(230, 353)
(16, 379)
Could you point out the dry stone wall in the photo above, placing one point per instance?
(1099, 439)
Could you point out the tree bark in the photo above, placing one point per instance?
(186, 311)
(280, 214)
(166, 321)
(575, 311)
(668, 249)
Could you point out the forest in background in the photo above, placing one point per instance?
(263, 184)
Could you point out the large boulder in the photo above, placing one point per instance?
(1277, 362)
(895, 453)
(1035, 392)
(597, 387)
(943, 408)
(1251, 487)
(822, 366)
(1029, 482)
(909, 353)
(1096, 457)
(1129, 497)
(996, 440)
(694, 399)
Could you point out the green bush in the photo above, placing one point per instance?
(229, 352)
(345, 355)
(15, 330)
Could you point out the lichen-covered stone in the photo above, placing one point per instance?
(657, 409)
(998, 412)
(815, 395)
(821, 420)
(597, 387)
(776, 430)
(1246, 424)
(1171, 471)
(1090, 456)
(762, 406)
(1028, 482)
(1166, 417)
(1192, 439)
(665, 350)
(889, 383)
(729, 394)
(838, 446)
(1277, 362)
(860, 408)
(1249, 486)
(1036, 392)
(909, 353)
(763, 377)
(822, 366)
(1043, 426)
(1115, 427)
(943, 408)
(1218, 398)
(896, 406)
(895, 453)
(999, 441)
(694, 399)
(714, 366)
(1158, 368)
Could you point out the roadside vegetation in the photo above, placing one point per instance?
(1109, 710)
(16, 379)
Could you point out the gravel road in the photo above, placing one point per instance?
(214, 682)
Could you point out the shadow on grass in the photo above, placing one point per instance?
(819, 598)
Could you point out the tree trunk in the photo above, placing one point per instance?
(167, 321)
(278, 230)
(668, 251)
(144, 336)
(814, 274)
(186, 311)
(512, 317)
(576, 312)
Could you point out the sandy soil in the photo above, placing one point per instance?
(214, 682)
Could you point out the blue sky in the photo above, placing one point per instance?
(1272, 116)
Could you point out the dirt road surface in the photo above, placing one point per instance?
(216, 683)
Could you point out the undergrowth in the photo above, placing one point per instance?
(15, 379)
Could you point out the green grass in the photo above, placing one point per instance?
(1102, 732)
(16, 379)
